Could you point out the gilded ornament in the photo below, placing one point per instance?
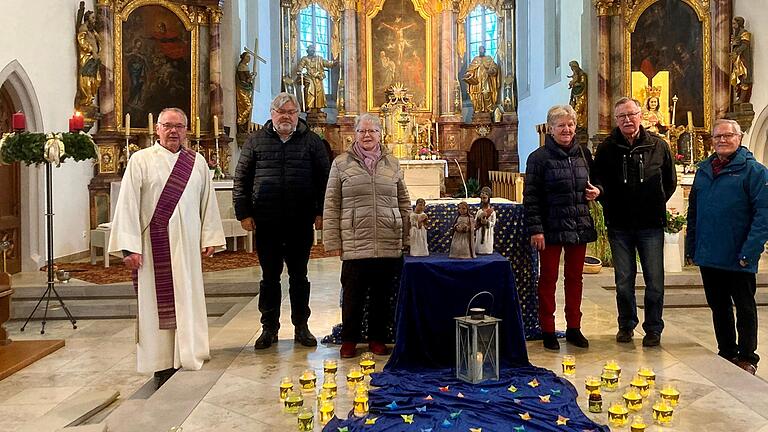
(88, 65)
(483, 130)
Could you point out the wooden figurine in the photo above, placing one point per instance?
(419, 221)
(463, 230)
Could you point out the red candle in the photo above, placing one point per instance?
(79, 121)
(72, 125)
(18, 121)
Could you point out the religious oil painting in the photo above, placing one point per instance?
(399, 52)
(156, 63)
(668, 37)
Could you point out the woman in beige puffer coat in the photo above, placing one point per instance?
(366, 217)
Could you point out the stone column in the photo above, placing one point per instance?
(605, 9)
(351, 54)
(107, 89)
(721, 63)
(216, 93)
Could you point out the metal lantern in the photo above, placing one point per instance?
(477, 345)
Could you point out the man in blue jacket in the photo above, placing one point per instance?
(727, 231)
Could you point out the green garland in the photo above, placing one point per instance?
(28, 147)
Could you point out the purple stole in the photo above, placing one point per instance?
(158, 234)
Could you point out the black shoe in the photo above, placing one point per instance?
(624, 335)
(267, 338)
(574, 337)
(161, 377)
(550, 341)
(651, 340)
(303, 336)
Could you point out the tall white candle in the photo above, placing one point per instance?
(197, 127)
(216, 125)
(151, 124)
(437, 136)
(127, 124)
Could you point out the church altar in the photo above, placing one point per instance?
(424, 178)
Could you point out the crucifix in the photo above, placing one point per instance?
(256, 57)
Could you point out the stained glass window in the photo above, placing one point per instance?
(314, 29)
(482, 25)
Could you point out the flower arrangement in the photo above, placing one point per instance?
(424, 151)
(30, 148)
(213, 165)
(680, 159)
(675, 222)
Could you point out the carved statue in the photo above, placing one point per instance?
(482, 80)
(88, 63)
(653, 119)
(244, 83)
(578, 86)
(311, 72)
(741, 62)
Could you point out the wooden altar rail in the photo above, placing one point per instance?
(505, 185)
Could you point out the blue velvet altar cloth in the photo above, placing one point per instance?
(436, 401)
(434, 290)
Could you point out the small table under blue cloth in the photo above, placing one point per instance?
(434, 290)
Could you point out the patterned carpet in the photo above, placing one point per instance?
(117, 272)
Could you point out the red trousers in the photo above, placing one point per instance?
(549, 260)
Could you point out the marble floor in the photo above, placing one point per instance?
(237, 389)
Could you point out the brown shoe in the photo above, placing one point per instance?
(348, 349)
(378, 348)
(747, 366)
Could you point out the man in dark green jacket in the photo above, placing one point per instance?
(727, 231)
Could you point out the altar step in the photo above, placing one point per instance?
(118, 300)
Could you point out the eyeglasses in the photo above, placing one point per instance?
(727, 136)
(286, 112)
(627, 116)
(365, 132)
(171, 126)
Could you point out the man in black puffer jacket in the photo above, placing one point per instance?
(279, 190)
(636, 175)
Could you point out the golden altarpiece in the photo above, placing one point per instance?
(403, 60)
(155, 54)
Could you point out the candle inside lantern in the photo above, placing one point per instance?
(306, 419)
(197, 127)
(330, 366)
(569, 365)
(293, 401)
(670, 394)
(662, 412)
(479, 366)
(151, 126)
(367, 364)
(592, 383)
(216, 126)
(637, 424)
(127, 124)
(633, 400)
(18, 122)
(618, 415)
(286, 385)
(308, 380)
(648, 374)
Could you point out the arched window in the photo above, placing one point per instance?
(314, 29)
(482, 25)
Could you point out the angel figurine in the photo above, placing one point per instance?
(485, 219)
(463, 232)
(419, 221)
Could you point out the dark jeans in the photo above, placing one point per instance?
(274, 245)
(724, 289)
(371, 277)
(649, 245)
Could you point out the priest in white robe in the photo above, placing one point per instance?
(175, 334)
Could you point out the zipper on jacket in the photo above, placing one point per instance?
(624, 168)
(375, 209)
(642, 168)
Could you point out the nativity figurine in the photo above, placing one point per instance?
(463, 233)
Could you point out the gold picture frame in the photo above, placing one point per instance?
(632, 14)
(372, 14)
(190, 19)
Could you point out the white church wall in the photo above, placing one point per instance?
(545, 89)
(40, 35)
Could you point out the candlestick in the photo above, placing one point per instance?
(18, 121)
(127, 124)
(150, 123)
(437, 136)
(216, 125)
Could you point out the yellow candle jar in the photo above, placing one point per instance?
(612, 366)
(330, 366)
(637, 424)
(670, 394)
(609, 380)
(592, 384)
(360, 402)
(330, 385)
(308, 380)
(326, 411)
(648, 374)
(367, 364)
(633, 400)
(286, 385)
(662, 412)
(306, 419)
(354, 376)
(293, 401)
(640, 385)
(618, 415)
(569, 365)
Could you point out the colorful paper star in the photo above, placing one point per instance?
(454, 415)
(408, 418)
(534, 383)
(475, 429)
(544, 398)
(392, 406)
(525, 416)
(422, 409)
(512, 389)
(446, 423)
(425, 430)
(517, 401)
(562, 421)
(429, 397)
(444, 389)
(460, 394)
(484, 390)
(343, 429)
(556, 392)
(519, 428)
